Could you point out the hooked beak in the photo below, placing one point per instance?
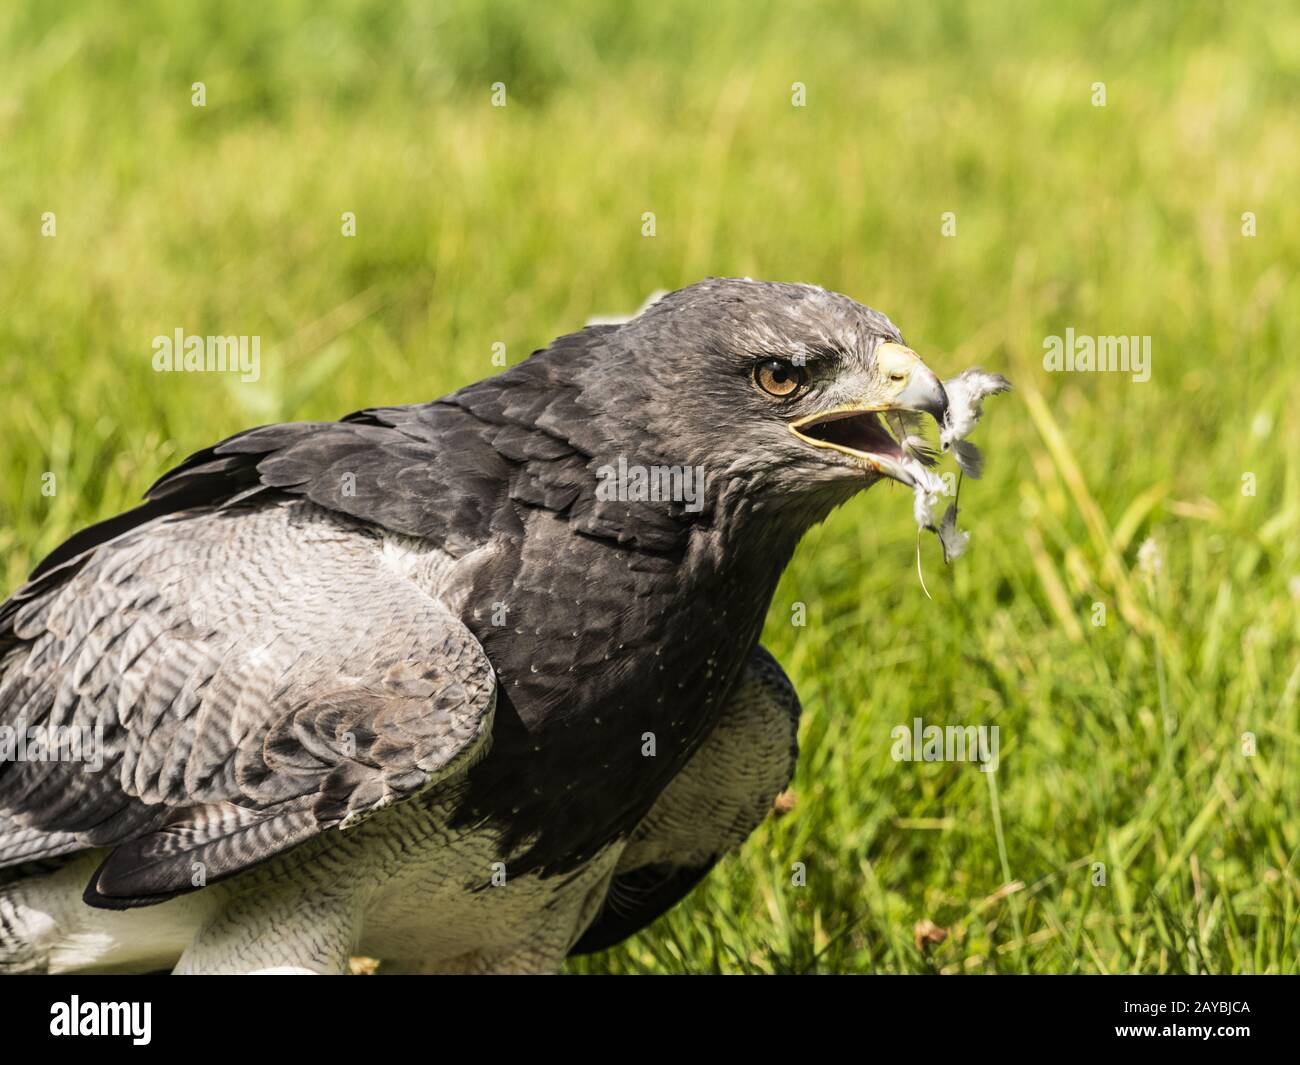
(862, 431)
(923, 392)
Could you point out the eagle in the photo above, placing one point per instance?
(447, 685)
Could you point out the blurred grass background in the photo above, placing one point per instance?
(1121, 744)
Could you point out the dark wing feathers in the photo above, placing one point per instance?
(443, 471)
(163, 863)
(710, 807)
(637, 899)
(139, 628)
(142, 625)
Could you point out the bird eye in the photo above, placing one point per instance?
(780, 378)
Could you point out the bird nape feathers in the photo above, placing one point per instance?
(469, 685)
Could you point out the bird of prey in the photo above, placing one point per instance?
(446, 684)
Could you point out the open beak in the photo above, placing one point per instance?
(883, 432)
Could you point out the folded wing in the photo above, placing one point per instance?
(247, 678)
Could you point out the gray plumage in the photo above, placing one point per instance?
(387, 685)
(966, 394)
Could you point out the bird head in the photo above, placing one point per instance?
(797, 389)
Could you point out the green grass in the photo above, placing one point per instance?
(1122, 743)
